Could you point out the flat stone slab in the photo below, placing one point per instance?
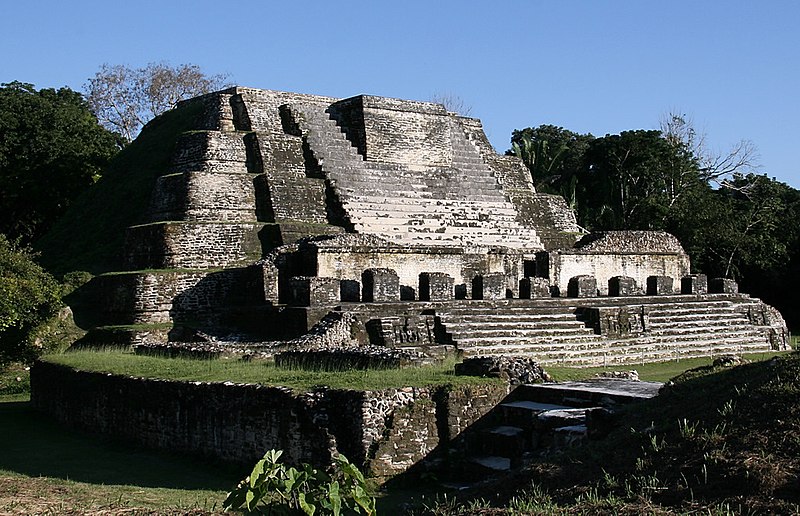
(575, 415)
(534, 406)
(611, 387)
(572, 429)
(510, 431)
(594, 391)
(493, 462)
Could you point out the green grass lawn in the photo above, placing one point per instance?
(45, 468)
(260, 372)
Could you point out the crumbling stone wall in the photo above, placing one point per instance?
(604, 255)
(386, 431)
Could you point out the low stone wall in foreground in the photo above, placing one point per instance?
(385, 431)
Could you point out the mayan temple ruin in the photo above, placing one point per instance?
(295, 222)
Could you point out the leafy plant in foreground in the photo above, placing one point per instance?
(274, 488)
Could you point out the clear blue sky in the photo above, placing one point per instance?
(590, 66)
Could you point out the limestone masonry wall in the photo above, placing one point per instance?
(385, 431)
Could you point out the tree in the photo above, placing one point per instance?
(51, 150)
(715, 166)
(452, 103)
(554, 156)
(124, 99)
(29, 296)
(634, 180)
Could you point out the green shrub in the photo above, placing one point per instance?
(29, 297)
(277, 489)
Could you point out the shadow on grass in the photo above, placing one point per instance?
(34, 445)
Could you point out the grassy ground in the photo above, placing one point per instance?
(46, 469)
(260, 372)
(717, 441)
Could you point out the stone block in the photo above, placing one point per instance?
(659, 286)
(313, 291)
(530, 288)
(694, 284)
(269, 274)
(582, 286)
(436, 286)
(380, 285)
(723, 286)
(350, 291)
(489, 286)
(621, 286)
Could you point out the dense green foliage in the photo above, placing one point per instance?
(51, 149)
(745, 226)
(90, 236)
(29, 296)
(287, 490)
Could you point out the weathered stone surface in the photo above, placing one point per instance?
(582, 286)
(436, 286)
(622, 286)
(314, 291)
(694, 284)
(383, 431)
(516, 370)
(489, 286)
(380, 285)
(723, 286)
(532, 288)
(659, 285)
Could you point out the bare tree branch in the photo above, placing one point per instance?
(124, 99)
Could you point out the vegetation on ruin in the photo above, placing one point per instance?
(91, 233)
(717, 441)
(261, 372)
(732, 221)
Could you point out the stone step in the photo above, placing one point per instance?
(376, 191)
(475, 333)
(504, 441)
(558, 326)
(609, 357)
(503, 209)
(699, 329)
(508, 316)
(595, 352)
(493, 463)
(382, 200)
(701, 317)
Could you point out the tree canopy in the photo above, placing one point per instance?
(732, 222)
(125, 99)
(51, 149)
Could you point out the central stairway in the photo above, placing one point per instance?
(460, 205)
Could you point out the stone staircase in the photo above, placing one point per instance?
(540, 419)
(412, 204)
(560, 332)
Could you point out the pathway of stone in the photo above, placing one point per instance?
(539, 419)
